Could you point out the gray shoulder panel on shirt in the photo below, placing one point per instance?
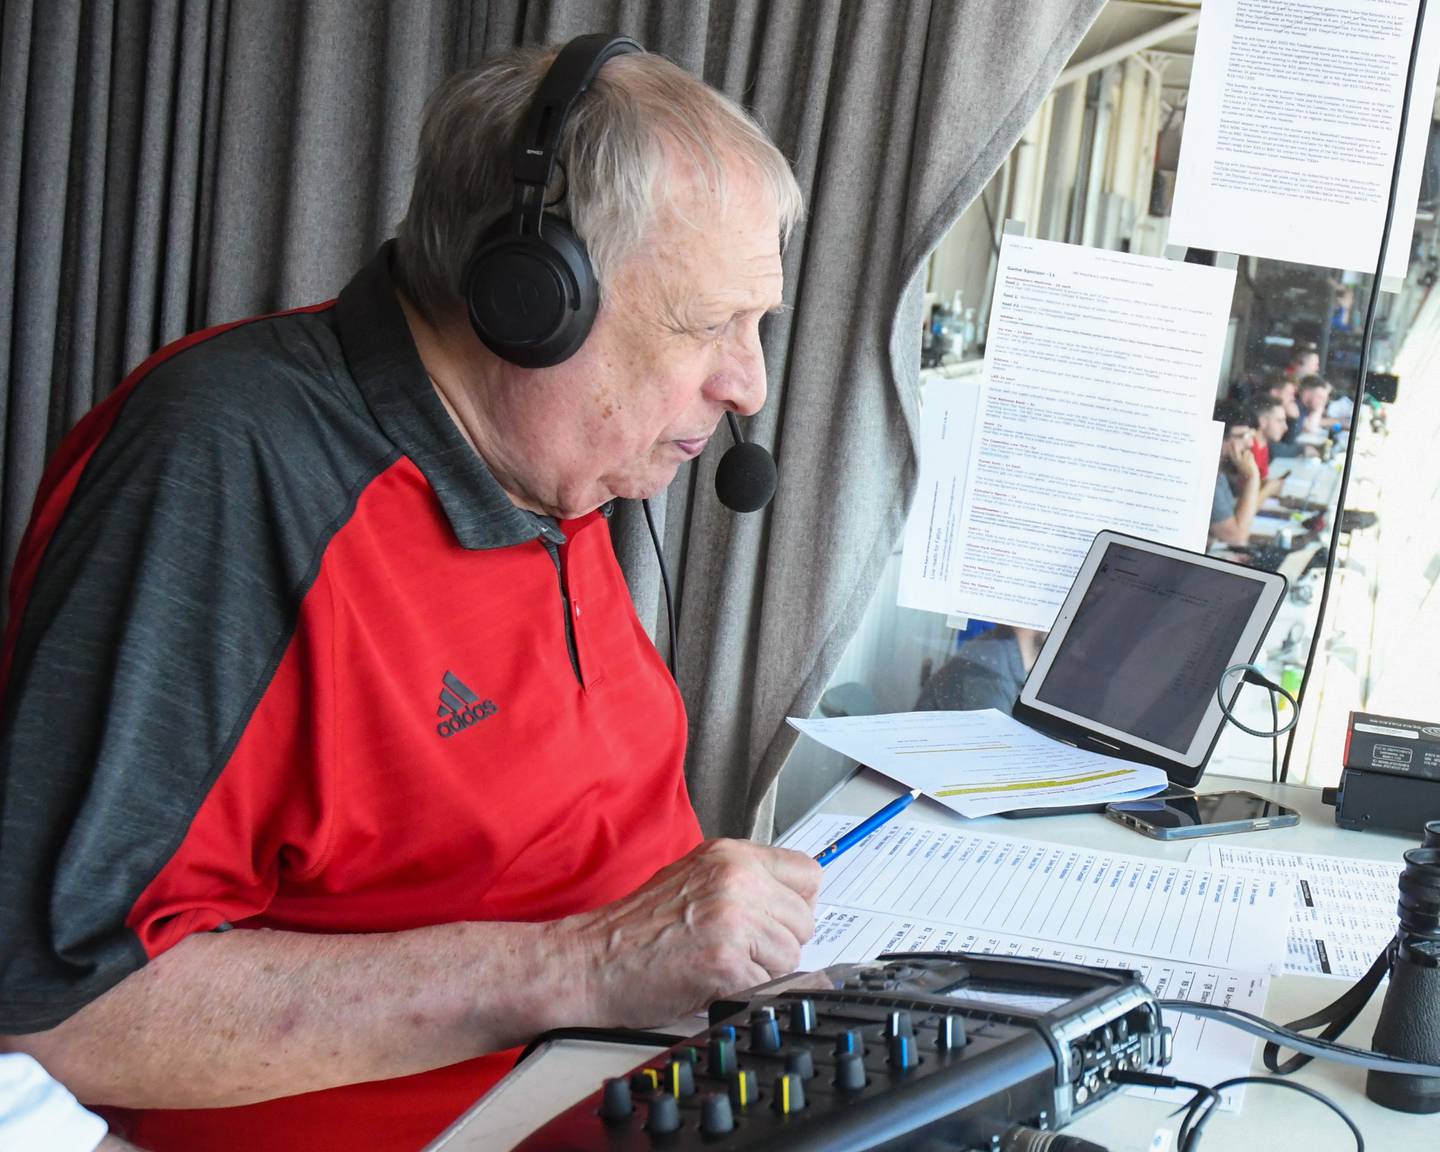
(164, 602)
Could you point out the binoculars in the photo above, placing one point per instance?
(1409, 1024)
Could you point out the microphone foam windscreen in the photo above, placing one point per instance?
(745, 478)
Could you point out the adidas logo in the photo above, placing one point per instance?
(460, 707)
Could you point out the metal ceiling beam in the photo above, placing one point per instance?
(1157, 35)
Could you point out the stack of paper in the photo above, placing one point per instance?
(983, 762)
(1193, 933)
(1344, 910)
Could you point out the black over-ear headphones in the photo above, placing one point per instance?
(529, 288)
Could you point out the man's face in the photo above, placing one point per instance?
(1239, 438)
(1285, 393)
(675, 344)
(1315, 399)
(1307, 365)
(1271, 423)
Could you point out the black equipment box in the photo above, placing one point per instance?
(1385, 802)
(951, 1045)
(1384, 386)
(1389, 744)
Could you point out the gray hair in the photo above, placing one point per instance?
(638, 112)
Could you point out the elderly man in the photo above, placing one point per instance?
(337, 757)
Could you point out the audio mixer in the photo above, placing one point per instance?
(955, 1046)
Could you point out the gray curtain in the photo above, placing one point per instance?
(167, 165)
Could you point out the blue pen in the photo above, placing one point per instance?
(866, 826)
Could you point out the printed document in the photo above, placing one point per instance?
(1079, 897)
(923, 889)
(1205, 1052)
(947, 425)
(1344, 911)
(1095, 412)
(982, 762)
(1290, 130)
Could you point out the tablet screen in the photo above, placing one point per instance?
(1142, 641)
(1148, 642)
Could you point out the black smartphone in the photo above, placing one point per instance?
(1208, 814)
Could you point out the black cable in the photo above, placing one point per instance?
(1207, 1100)
(1367, 332)
(1266, 1030)
(1274, 740)
(637, 1036)
(990, 222)
(1188, 1139)
(1254, 675)
(1160, 1080)
(665, 582)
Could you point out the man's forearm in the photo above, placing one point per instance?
(235, 1017)
(1247, 503)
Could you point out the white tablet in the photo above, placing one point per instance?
(1137, 650)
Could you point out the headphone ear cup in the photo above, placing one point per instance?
(531, 299)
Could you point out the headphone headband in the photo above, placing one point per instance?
(569, 77)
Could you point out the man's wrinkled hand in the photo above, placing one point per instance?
(726, 917)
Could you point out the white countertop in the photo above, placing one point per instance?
(1275, 1119)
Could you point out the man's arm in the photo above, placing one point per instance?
(237, 1017)
(1235, 530)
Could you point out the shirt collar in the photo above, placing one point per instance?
(392, 380)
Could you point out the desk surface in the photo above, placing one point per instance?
(1279, 1119)
(1283, 1120)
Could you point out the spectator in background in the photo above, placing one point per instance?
(1267, 418)
(1304, 361)
(1270, 428)
(1279, 385)
(1313, 398)
(986, 672)
(1248, 385)
(1342, 317)
(1239, 491)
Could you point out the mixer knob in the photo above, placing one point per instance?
(902, 1053)
(645, 1081)
(898, 1023)
(789, 1094)
(801, 1062)
(716, 1117)
(950, 1033)
(764, 1032)
(850, 1072)
(850, 1041)
(664, 1114)
(743, 1089)
(722, 1057)
(615, 1103)
(802, 1016)
(680, 1078)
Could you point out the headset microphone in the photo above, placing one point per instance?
(745, 476)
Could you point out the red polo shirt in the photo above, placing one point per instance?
(284, 656)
